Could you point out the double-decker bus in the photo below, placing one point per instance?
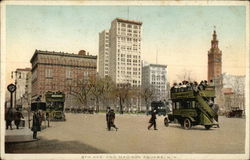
(55, 105)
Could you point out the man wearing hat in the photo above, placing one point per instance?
(111, 119)
(152, 120)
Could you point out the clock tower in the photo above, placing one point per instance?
(214, 59)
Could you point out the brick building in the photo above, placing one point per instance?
(59, 71)
(214, 59)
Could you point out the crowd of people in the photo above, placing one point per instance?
(186, 86)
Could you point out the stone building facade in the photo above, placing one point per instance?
(155, 77)
(103, 58)
(59, 71)
(125, 52)
(21, 76)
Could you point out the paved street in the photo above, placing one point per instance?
(87, 134)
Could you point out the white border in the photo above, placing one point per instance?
(117, 156)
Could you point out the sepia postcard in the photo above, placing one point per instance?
(129, 80)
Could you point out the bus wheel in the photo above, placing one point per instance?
(166, 122)
(208, 126)
(187, 123)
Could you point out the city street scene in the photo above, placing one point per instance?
(129, 79)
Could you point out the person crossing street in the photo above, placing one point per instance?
(152, 120)
(111, 120)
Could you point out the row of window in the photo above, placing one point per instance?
(128, 72)
(124, 39)
(129, 80)
(128, 60)
(128, 63)
(49, 74)
(128, 25)
(128, 31)
(129, 68)
(128, 34)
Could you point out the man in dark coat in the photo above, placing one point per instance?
(17, 118)
(36, 125)
(9, 118)
(107, 114)
(111, 120)
(152, 120)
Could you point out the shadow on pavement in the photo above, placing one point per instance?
(50, 146)
(194, 128)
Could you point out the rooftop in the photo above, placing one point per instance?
(62, 54)
(23, 69)
(128, 21)
(156, 65)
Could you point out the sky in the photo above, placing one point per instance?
(179, 35)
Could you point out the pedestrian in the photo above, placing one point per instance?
(9, 118)
(17, 118)
(152, 120)
(111, 120)
(107, 114)
(36, 125)
(216, 117)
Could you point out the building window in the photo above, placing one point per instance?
(129, 34)
(85, 76)
(68, 74)
(48, 73)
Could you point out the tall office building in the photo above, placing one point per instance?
(103, 64)
(125, 51)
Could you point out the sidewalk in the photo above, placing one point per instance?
(23, 134)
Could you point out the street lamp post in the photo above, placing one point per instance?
(12, 75)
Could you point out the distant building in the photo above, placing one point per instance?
(21, 75)
(103, 58)
(125, 52)
(27, 95)
(59, 71)
(155, 77)
(230, 91)
(214, 59)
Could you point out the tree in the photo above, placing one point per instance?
(185, 75)
(238, 98)
(109, 87)
(122, 92)
(82, 91)
(147, 94)
(98, 89)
